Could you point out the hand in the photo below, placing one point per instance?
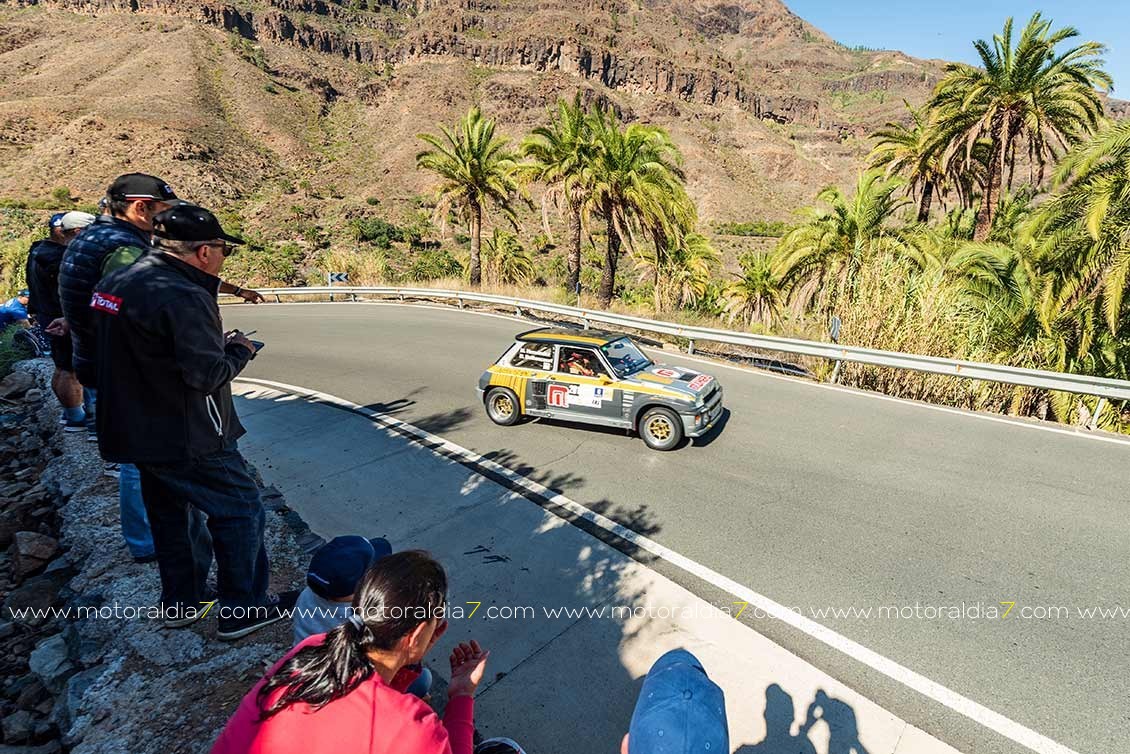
(468, 663)
(253, 297)
(58, 327)
(235, 336)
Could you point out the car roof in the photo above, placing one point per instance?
(568, 335)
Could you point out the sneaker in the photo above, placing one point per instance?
(186, 615)
(278, 606)
(112, 470)
(499, 746)
(150, 558)
(73, 426)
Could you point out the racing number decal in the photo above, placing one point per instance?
(557, 395)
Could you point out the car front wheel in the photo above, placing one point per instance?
(502, 406)
(661, 429)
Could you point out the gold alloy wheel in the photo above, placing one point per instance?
(503, 406)
(659, 428)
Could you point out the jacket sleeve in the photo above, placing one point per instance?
(206, 364)
(459, 719)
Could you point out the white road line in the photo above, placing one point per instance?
(986, 717)
(756, 372)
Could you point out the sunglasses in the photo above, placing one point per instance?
(225, 248)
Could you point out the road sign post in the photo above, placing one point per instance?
(336, 277)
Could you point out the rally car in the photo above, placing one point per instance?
(602, 378)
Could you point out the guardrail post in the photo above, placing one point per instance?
(835, 373)
(353, 297)
(460, 300)
(690, 346)
(1093, 424)
(585, 321)
(278, 299)
(517, 311)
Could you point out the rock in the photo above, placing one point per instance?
(7, 629)
(34, 395)
(51, 661)
(18, 727)
(31, 694)
(15, 384)
(51, 747)
(30, 551)
(68, 707)
(28, 603)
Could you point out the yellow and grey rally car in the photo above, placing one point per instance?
(599, 378)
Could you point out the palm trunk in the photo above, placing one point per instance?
(611, 260)
(476, 245)
(925, 202)
(574, 281)
(992, 183)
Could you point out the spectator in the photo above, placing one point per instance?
(43, 261)
(335, 571)
(14, 311)
(342, 692)
(679, 710)
(164, 375)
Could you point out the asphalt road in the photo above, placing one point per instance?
(817, 498)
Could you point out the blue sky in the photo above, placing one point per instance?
(947, 29)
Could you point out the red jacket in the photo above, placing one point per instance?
(374, 718)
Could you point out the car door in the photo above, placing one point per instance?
(537, 360)
(593, 398)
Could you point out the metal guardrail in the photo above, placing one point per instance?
(1102, 387)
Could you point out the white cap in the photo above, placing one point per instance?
(73, 220)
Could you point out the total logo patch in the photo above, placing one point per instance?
(104, 302)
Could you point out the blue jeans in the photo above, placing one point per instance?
(135, 524)
(131, 508)
(178, 497)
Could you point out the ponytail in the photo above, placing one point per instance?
(389, 601)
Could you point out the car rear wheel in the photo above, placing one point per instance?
(502, 406)
(661, 429)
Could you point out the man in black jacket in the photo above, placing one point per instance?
(43, 261)
(165, 368)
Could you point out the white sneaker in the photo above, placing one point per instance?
(112, 470)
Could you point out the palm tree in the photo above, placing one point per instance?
(681, 273)
(821, 258)
(507, 262)
(560, 154)
(477, 170)
(757, 294)
(914, 153)
(1084, 233)
(636, 186)
(1028, 96)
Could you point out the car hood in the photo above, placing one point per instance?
(689, 382)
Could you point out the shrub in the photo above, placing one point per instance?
(433, 264)
(61, 194)
(378, 232)
(757, 228)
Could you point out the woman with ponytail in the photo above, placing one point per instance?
(342, 692)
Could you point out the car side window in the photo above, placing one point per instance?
(534, 356)
(580, 361)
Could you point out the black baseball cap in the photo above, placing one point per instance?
(187, 222)
(134, 186)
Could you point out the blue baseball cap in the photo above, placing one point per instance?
(338, 565)
(680, 710)
(56, 220)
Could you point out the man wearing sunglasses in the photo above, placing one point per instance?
(165, 368)
(114, 240)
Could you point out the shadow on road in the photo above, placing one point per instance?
(840, 729)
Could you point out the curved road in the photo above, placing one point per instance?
(817, 498)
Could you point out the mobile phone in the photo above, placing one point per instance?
(258, 345)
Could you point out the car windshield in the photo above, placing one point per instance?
(625, 357)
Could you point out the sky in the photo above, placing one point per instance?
(947, 29)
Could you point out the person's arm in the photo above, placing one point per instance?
(206, 361)
(253, 297)
(459, 720)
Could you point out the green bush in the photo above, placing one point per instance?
(433, 264)
(61, 194)
(757, 228)
(378, 232)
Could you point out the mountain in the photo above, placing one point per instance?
(248, 101)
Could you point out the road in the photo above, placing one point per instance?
(817, 498)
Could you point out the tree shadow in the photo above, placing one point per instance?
(840, 727)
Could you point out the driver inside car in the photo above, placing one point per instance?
(580, 363)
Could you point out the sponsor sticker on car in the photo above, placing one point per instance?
(700, 382)
(586, 396)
